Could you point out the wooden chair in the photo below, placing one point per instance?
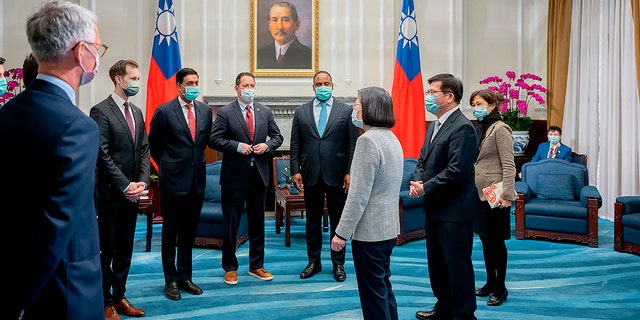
(626, 224)
(579, 158)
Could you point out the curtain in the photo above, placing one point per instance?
(635, 11)
(602, 110)
(558, 29)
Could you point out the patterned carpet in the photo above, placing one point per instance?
(545, 280)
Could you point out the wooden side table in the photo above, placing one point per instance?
(287, 203)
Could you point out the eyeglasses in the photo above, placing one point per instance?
(102, 49)
(433, 92)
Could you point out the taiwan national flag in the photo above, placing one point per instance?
(408, 92)
(165, 60)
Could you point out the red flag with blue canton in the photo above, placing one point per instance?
(407, 91)
(165, 60)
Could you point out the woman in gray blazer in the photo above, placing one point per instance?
(494, 164)
(370, 217)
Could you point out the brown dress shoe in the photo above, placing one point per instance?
(123, 306)
(110, 313)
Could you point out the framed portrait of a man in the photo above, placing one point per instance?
(284, 38)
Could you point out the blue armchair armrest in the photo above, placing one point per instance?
(631, 203)
(522, 187)
(590, 192)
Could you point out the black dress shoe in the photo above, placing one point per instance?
(190, 287)
(171, 291)
(339, 274)
(310, 270)
(432, 315)
(496, 300)
(485, 291)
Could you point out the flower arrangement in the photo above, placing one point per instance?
(14, 84)
(517, 96)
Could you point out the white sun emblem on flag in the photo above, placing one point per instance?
(166, 25)
(408, 29)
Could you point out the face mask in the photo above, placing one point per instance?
(355, 121)
(323, 93)
(430, 104)
(553, 139)
(87, 76)
(3, 85)
(480, 112)
(191, 93)
(247, 95)
(132, 88)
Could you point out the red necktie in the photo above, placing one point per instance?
(279, 57)
(551, 152)
(192, 121)
(249, 120)
(127, 116)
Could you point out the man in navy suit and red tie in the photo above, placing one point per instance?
(246, 132)
(122, 175)
(49, 152)
(323, 139)
(178, 134)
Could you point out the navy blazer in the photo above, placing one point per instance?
(543, 151)
(230, 129)
(180, 160)
(446, 168)
(330, 155)
(50, 148)
(298, 56)
(120, 159)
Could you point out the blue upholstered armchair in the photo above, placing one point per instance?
(412, 218)
(626, 224)
(556, 202)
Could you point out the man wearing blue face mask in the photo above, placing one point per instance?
(323, 139)
(553, 148)
(178, 134)
(246, 132)
(122, 174)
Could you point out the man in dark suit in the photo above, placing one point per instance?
(323, 139)
(122, 175)
(178, 134)
(286, 51)
(246, 132)
(49, 152)
(444, 176)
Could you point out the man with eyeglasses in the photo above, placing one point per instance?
(48, 166)
(444, 178)
(286, 51)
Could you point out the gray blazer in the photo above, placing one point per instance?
(495, 161)
(371, 210)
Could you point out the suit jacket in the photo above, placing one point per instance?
(120, 159)
(180, 160)
(49, 157)
(371, 211)
(230, 129)
(298, 56)
(495, 161)
(446, 168)
(330, 155)
(543, 151)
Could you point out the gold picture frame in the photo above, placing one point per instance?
(301, 58)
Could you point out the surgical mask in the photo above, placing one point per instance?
(430, 104)
(191, 93)
(247, 95)
(132, 88)
(3, 85)
(355, 121)
(553, 139)
(323, 93)
(480, 112)
(87, 76)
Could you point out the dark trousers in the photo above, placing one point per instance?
(495, 262)
(117, 226)
(233, 203)
(449, 247)
(371, 261)
(314, 205)
(180, 214)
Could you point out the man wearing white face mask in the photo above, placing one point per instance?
(122, 176)
(246, 132)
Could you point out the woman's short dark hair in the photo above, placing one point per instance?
(491, 97)
(377, 107)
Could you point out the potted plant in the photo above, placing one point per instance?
(14, 84)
